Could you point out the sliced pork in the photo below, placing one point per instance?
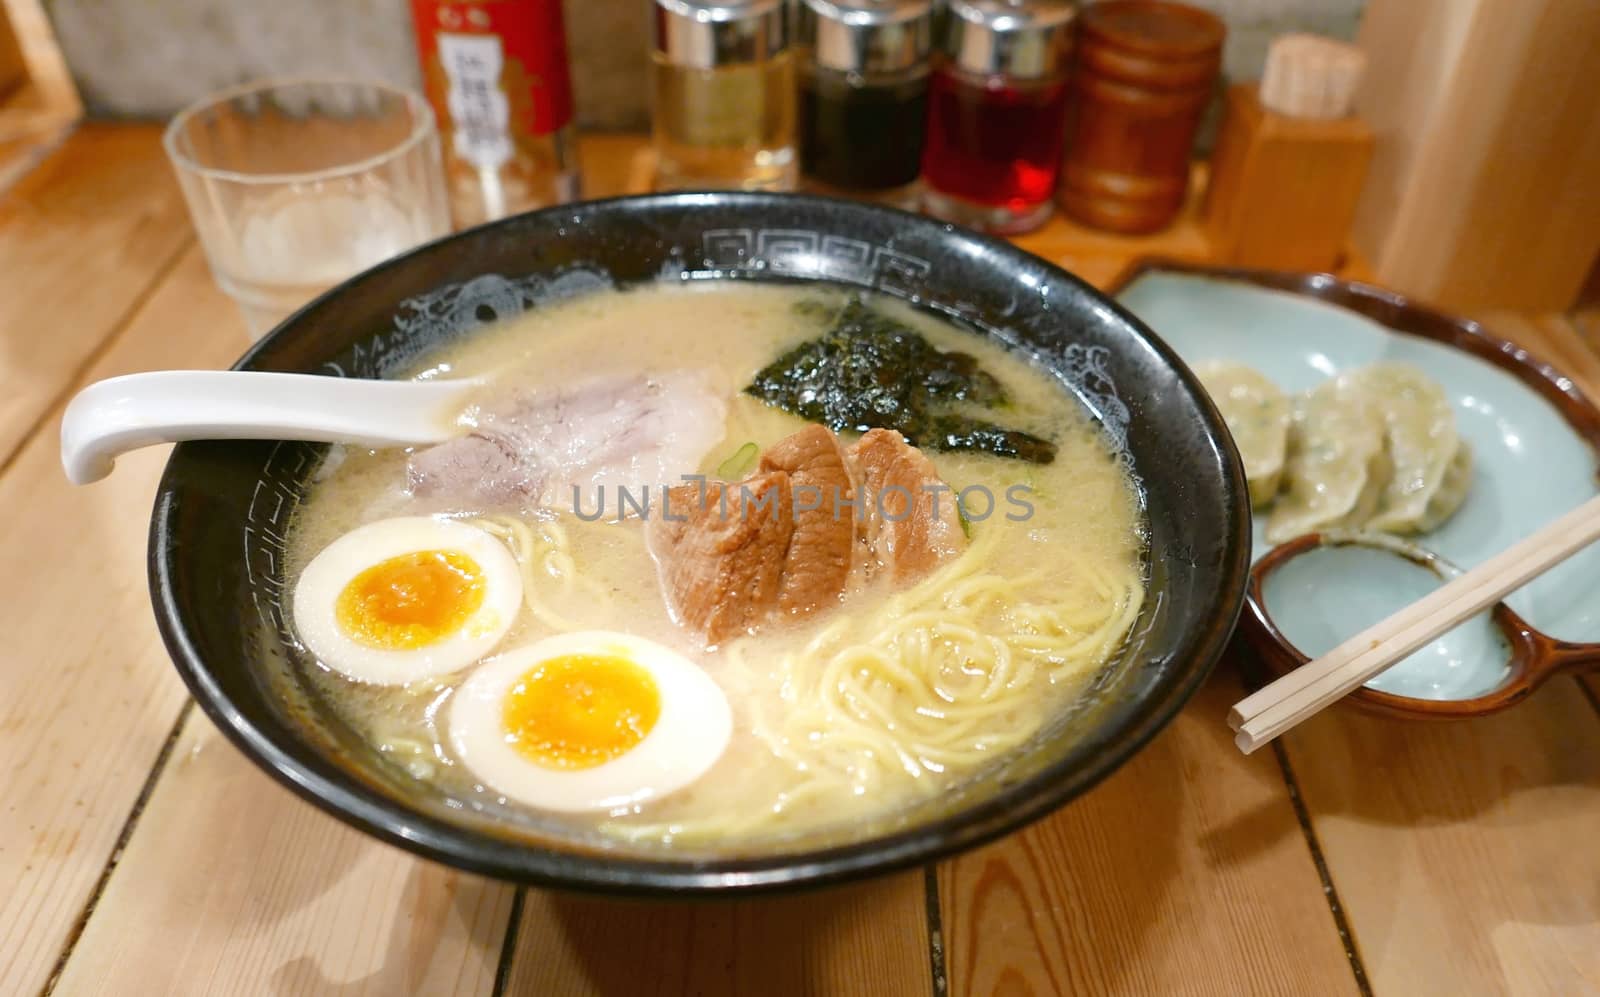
(910, 524)
(788, 540)
(533, 448)
(721, 553)
(823, 492)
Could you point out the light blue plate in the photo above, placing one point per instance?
(1531, 466)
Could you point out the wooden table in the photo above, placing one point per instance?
(144, 855)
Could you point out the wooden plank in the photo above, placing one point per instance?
(1402, 92)
(89, 697)
(1454, 846)
(192, 903)
(1463, 852)
(83, 237)
(226, 882)
(13, 70)
(1451, 86)
(224, 885)
(1185, 872)
(871, 938)
(1099, 256)
(18, 156)
(1572, 344)
(224, 917)
(1572, 348)
(233, 886)
(1555, 339)
(37, 95)
(1587, 321)
(1563, 342)
(865, 939)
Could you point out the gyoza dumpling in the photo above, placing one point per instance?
(1432, 467)
(1337, 466)
(1452, 490)
(1257, 414)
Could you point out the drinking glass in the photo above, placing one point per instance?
(295, 185)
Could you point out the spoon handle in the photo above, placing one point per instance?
(111, 417)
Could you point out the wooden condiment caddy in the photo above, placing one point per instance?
(1144, 72)
(1290, 161)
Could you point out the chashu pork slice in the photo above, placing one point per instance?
(910, 525)
(786, 542)
(634, 431)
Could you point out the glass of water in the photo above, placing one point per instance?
(295, 185)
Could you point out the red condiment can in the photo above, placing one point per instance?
(1144, 73)
(496, 74)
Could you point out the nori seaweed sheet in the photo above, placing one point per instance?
(869, 371)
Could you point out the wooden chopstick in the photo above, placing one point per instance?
(1270, 711)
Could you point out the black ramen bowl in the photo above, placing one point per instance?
(217, 538)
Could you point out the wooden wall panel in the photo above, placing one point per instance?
(1485, 184)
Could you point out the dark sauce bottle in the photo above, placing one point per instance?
(863, 95)
(997, 113)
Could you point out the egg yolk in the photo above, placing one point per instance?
(412, 600)
(577, 711)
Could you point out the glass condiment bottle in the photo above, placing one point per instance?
(863, 96)
(496, 74)
(997, 109)
(723, 95)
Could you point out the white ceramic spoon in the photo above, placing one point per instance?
(111, 417)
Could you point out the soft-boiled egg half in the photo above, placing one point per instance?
(406, 599)
(589, 721)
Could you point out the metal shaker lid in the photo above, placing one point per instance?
(867, 36)
(1021, 38)
(704, 34)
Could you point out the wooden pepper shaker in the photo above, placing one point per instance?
(1145, 72)
(1290, 160)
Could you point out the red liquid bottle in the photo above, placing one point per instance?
(996, 113)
